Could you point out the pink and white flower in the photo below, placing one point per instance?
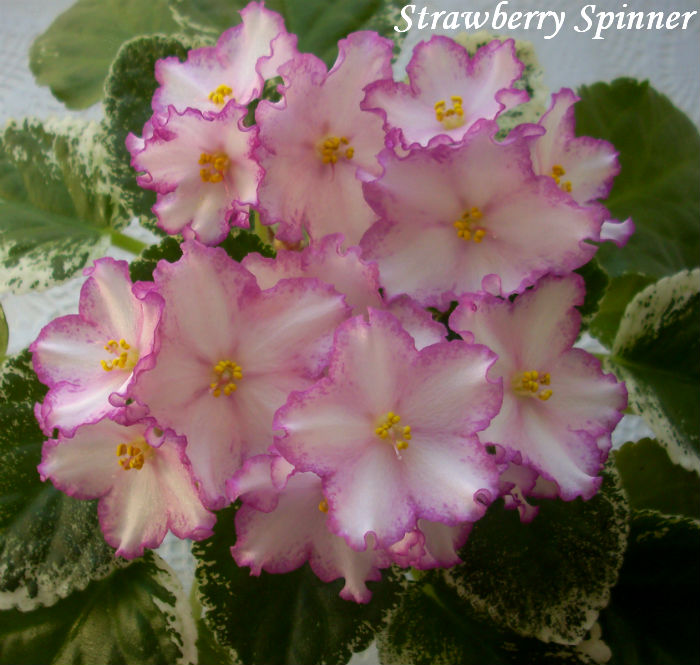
(141, 476)
(479, 213)
(581, 165)
(558, 407)
(233, 70)
(316, 141)
(350, 275)
(89, 360)
(392, 432)
(229, 356)
(448, 92)
(203, 171)
(282, 524)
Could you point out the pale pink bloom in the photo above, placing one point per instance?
(316, 141)
(582, 166)
(203, 171)
(89, 360)
(431, 545)
(229, 356)
(392, 432)
(558, 407)
(448, 92)
(233, 70)
(141, 476)
(282, 524)
(355, 278)
(471, 217)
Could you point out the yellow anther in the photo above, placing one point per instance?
(390, 428)
(401, 445)
(545, 379)
(215, 164)
(545, 395)
(465, 225)
(566, 186)
(323, 506)
(125, 356)
(219, 95)
(479, 235)
(450, 118)
(557, 172)
(407, 432)
(134, 454)
(225, 372)
(124, 345)
(530, 382)
(121, 449)
(330, 149)
(106, 365)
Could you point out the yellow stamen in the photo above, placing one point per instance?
(331, 148)
(215, 166)
(530, 382)
(450, 118)
(389, 428)
(133, 455)
(219, 94)
(557, 172)
(225, 371)
(323, 506)
(465, 225)
(125, 356)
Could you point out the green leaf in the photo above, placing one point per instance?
(142, 268)
(56, 208)
(653, 616)
(4, 333)
(73, 55)
(547, 579)
(618, 294)
(50, 544)
(434, 626)
(652, 481)
(137, 615)
(290, 618)
(658, 183)
(596, 280)
(128, 91)
(655, 352)
(239, 243)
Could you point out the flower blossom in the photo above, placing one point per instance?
(229, 356)
(448, 92)
(316, 140)
(233, 70)
(559, 409)
(89, 360)
(480, 214)
(582, 166)
(141, 476)
(392, 432)
(350, 275)
(282, 524)
(203, 171)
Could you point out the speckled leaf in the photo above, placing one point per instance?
(655, 352)
(654, 614)
(128, 91)
(73, 55)
(4, 333)
(547, 579)
(618, 294)
(652, 481)
(658, 183)
(290, 618)
(434, 626)
(138, 615)
(56, 208)
(50, 544)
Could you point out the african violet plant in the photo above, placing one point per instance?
(353, 348)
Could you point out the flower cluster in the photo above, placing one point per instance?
(316, 388)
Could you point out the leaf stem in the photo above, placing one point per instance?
(127, 243)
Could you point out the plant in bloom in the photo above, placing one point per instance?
(480, 211)
(233, 70)
(389, 433)
(227, 361)
(140, 474)
(89, 360)
(316, 140)
(558, 407)
(202, 170)
(448, 91)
